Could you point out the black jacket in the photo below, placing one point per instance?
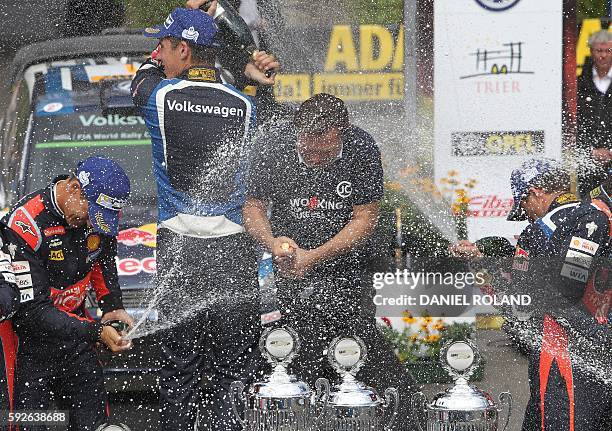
(54, 265)
(9, 294)
(558, 257)
(598, 298)
(594, 112)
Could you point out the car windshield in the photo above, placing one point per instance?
(67, 127)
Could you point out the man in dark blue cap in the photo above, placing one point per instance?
(62, 241)
(560, 257)
(200, 130)
(560, 260)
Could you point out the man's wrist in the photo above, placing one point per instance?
(95, 332)
(316, 256)
(268, 242)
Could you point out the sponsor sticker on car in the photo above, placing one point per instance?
(131, 266)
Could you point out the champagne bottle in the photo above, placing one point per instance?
(234, 29)
(495, 246)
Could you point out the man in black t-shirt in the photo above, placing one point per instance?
(323, 180)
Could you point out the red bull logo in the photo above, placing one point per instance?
(521, 260)
(145, 235)
(521, 253)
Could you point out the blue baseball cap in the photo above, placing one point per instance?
(527, 176)
(106, 186)
(192, 25)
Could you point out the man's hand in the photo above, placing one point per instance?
(261, 63)
(113, 340)
(283, 249)
(301, 263)
(283, 246)
(120, 314)
(196, 4)
(602, 154)
(465, 248)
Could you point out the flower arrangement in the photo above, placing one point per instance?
(424, 336)
(458, 193)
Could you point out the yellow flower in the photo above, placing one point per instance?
(394, 186)
(432, 338)
(438, 326)
(408, 170)
(413, 337)
(427, 319)
(429, 188)
(457, 209)
(408, 318)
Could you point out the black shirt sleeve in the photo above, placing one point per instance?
(148, 76)
(369, 185)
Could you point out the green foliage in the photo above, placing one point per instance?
(591, 9)
(377, 11)
(422, 237)
(142, 13)
(151, 12)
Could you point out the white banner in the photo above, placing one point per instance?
(498, 98)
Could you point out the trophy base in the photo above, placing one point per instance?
(359, 418)
(477, 420)
(296, 417)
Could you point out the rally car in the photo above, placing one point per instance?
(65, 105)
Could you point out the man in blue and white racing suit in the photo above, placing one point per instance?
(207, 267)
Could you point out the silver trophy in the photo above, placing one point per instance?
(280, 402)
(463, 407)
(352, 405)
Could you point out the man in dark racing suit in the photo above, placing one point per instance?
(200, 131)
(323, 180)
(558, 256)
(598, 299)
(62, 241)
